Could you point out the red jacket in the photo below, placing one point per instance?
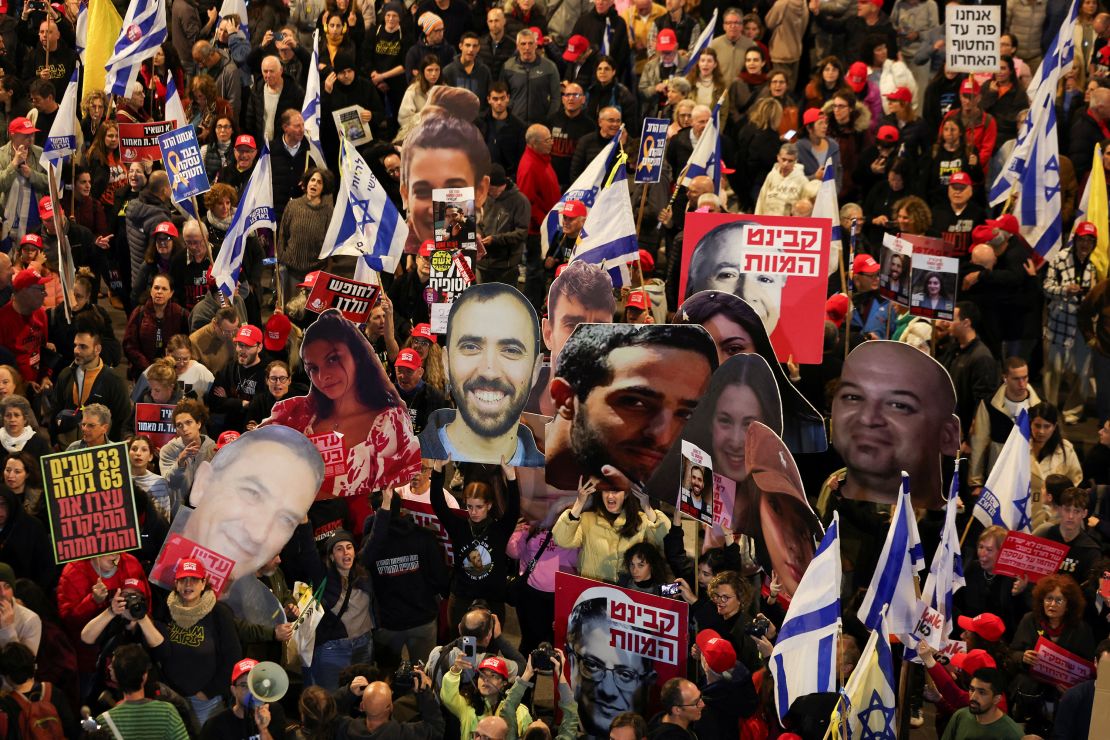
(76, 605)
(537, 180)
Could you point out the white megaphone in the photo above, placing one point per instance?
(267, 682)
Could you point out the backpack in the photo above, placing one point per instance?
(38, 720)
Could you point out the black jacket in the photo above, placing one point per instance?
(504, 139)
(407, 569)
(25, 545)
(108, 388)
(286, 171)
(290, 97)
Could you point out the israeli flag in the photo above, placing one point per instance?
(61, 141)
(826, 205)
(804, 659)
(706, 157)
(585, 188)
(946, 571)
(175, 110)
(310, 109)
(255, 211)
(701, 44)
(1039, 202)
(608, 236)
(365, 222)
(1004, 499)
(892, 585)
(868, 700)
(143, 32)
(239, 8)
(82, 30)
(606, 40)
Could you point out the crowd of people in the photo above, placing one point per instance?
(435, 576)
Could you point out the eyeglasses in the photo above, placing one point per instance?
(839, 105)
(696, 702)
(421, 343)
(278, 378)
(572, 95)
(1055, 600)
(720, 598)
(594, 670)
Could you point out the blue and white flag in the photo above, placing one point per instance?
(804, 659)
(310, 109)
(826, 205)
(607, 38)
(239, 8)
(365, 222)
(1004, 499)
(608, 236)
(867, 702)
(702, 43)
(143, 32)
(82, 30)
(255, 211)
(1039, 201)
(706, 157)
(175, 110)
(892, 585)
(946, 571)
(61, 140)
(585, 188)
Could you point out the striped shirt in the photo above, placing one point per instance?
(145, 720)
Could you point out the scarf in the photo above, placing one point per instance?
(187, 616)
(220, 223)
(15, 444)
(753, 80)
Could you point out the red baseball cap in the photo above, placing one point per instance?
(189, 568)
(166, 227)
(647, 262)
(495, 664)
(1086, 228)
(864, 264)
(574, 209)
(836, 308)
(856, 76)
(638, 299)
(309, 279)
(901, 94)
(972, 661)
(33, 240)
(666, 40)
(1007, 222)
(26, 278)
(249, 335)
(959, 179)
(427, 248)
(424, 331)
(719, 654)
(982, 234)
(969, 86)
(227, 438)
(137, 584)
(409, 358)
(243, 666)
(277, 332)
(21, 125)
(888, 134)
(988, 626)
(540, 40)
(245, 140)
(46, 208)
(576, 47)
(811, 116)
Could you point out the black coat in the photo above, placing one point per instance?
(25, 545)
(506, 144)
(286, 171)
(291, 97)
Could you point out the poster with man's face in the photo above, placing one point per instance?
(894, 272)
(778, 265)
(453, 210)
(621, 647)
(696, 491)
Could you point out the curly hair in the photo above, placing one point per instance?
(918, 211)
(732, 579)
(193, 408)
(218, 192)
(1076, 602)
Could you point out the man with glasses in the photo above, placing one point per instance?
(732, 45)
(237, 383)
(608, 126)
(568, 127)
(681, 705)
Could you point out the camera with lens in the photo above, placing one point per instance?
(135, 604)
(543, 657)
(759, 626)
(404, 676)
(37, 6)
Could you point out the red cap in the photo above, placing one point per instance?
(856, 76)
(249, 335)
(836, 308)
(877, 3)
(46, 208)
(864, 264)
(540, 40)
(495, 664)
(227, 438)
(666, 40)
(166, 227)
(810, 116)
(719, 654)
(409, 358)
(26, 278)
(33, 240)
(137, 584)
(1007, 222)
(972, 661)
(277, 331)
(901, 94)
(424, 331)
(988, 626)
(427, 248)
(961, 179)
(189, 568)
(888, 134)
(242, 667)
(309, 279)
(576, 47)
(574, 209)
(245, 140)
(982, 234)
(647, 262)
(969, 87)
(638, 299)
(1086, 228)
(21, 125)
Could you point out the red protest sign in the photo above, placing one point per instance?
(177, 547)
(334, 453)
(352, 298)
(1058, 666)
(138, 142)
(1033, 557)
(155, 420)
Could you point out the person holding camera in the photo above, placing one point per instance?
(482, 697)
(248, 717)
(125, 621)
(545, 658)
(376, 702)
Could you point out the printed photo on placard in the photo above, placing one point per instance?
(493, 358)
(695, 491)
(894, 410)
(778, 265)
(894, 270)
(934, 286)
(455, 225)
(352, 414)
(452, 272)
(621, 647)
(621, 402)
(737, 329)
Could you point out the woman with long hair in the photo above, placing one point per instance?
(336, 37)
(707, 84)
(931, 294)
(1051, 453)
(206, 107)
(353, 30)
(94, 111)
(759, 141)
(912, 216)
(416, 96)
(21, 476)
(103, 160)
(318, 714)
(218, 151)
(950, 154)
(828, 80)
(850, 127)
(778, 88)
(304, 224)
(343, 635)
(816, 150)
(606, 91)
(155, 73)
(279, 385)
(745, 89)
(163, 245)
(644, 569)
(151, 325)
